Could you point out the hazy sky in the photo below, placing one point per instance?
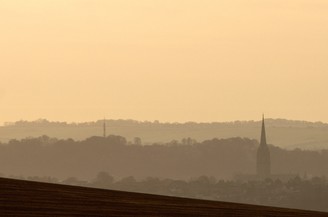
(167, 60)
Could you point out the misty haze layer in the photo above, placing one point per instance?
(222, 159)
(171, 60)
(281, 133)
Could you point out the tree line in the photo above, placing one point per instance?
(178, 159)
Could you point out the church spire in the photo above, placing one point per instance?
(263, 156)
(263, 136)
(104, 128)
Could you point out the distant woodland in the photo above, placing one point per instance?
(184, 168)
(184, 159)
(281, 133)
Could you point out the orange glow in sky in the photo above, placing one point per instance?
(167, 60)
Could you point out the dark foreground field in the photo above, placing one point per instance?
(25, 198)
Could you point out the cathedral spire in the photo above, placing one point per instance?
(263, 156)
(263, 136)
(104, 127)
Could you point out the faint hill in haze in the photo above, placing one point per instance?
(282, 133)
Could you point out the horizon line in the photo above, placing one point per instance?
(155, 121)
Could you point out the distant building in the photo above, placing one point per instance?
(263, 162)
(104, 128)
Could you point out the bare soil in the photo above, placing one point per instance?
(26, 198)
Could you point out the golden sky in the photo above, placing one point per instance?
(167, 60)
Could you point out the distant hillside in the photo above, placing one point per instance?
(282, 133)
(33, 199)
(222, 158)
